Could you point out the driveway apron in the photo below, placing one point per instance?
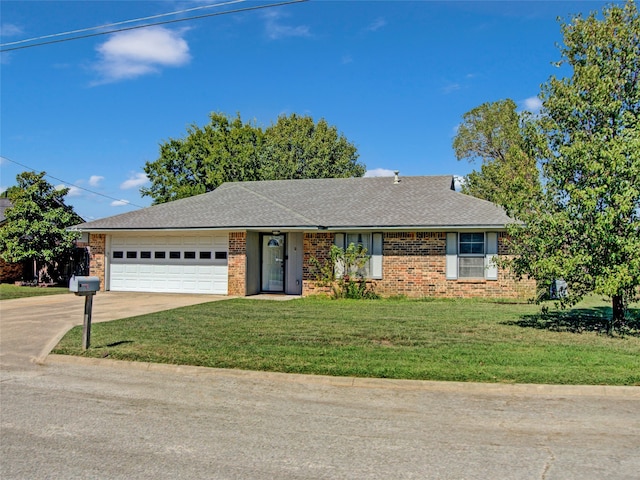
(31, 327)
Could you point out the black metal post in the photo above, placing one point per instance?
(86, 330)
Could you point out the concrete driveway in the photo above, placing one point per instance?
(31, 327)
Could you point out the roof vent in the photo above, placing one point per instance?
(396, 179)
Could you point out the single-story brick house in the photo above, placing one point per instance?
(244, 238)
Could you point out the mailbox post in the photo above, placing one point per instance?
(85, 287)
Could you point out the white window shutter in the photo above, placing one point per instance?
(452, 256)
(376, 255)
(491, 256)
(338, 241)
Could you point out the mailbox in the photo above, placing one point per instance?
(84, 285)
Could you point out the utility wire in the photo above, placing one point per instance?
(152, 17)
(72, 184)
(166, 22)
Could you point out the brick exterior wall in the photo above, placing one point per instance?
(237, 263)
(10, 272)
(315, 245)
(97, 251)
(414, 265)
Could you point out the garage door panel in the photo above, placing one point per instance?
(150, 272)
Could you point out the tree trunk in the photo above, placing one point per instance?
(618, 313)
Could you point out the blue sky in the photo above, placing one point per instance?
(394, 77)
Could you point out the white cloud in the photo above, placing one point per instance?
(376, 25)
(73, 190)
(276, 29)
(94, 180)
(134, 53)
(10, 30)
(379, 172)
(533, 104)
(119, 203)
(134, 181)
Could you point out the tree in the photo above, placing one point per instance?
(587, 230)
(296, 147)
(225, 150)
(36, 224)
(498, 136)
(229, 150)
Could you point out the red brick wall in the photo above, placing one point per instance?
(414, 265)
(97, 251)
(314, 245)
(10, 272)
(237, 263)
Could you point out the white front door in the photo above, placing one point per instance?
(273, 252)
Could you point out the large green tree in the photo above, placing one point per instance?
(228, 150)
(225, 150)
(497, 136)
(36, 223)
(587, 229)
(297, 147)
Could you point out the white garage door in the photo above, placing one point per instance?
(169, 264)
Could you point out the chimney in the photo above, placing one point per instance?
(396, 179)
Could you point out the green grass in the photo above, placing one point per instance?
(8, 291)
(459, 340)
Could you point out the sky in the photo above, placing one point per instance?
(394, 77)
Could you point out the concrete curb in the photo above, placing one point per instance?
(356, 382)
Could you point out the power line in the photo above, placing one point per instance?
(82, 30)
(71, 184)
(166, 22)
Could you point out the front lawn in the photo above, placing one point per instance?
(9, 291)
(459, 340)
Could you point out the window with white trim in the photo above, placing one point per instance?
(472, 255)
(373, 244)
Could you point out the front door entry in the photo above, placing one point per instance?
(273, 263)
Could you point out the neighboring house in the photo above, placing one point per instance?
(425, 239)
(29, 272)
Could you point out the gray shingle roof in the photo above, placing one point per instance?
(416, 202)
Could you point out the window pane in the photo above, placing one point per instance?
(118, 254)
(145, 254)
(161, 254)
(190, 255)
(205, 255)
(174, 254)
(132, 254)
(364, 240)
(472, 243)
(471, 267)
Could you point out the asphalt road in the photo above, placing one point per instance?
(102, 419)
